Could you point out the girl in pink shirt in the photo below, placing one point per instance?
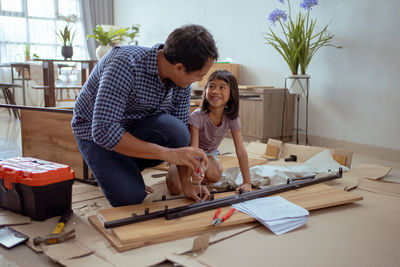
(218, 113)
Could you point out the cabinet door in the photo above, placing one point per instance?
(251, 113)
(273, 114)
(261, 116)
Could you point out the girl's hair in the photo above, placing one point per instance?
(232, 107)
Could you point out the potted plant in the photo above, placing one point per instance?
(298, 41)
(27, 51)
(133, 34)
(107, 38)
(67, 36)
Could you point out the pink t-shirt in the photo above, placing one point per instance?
(210, 136)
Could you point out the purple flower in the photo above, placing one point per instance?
(308, 4)
(282, 1)
(276, 15)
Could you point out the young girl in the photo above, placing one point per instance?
(208, 125)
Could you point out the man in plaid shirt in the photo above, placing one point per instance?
(131, 113)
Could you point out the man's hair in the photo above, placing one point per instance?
(232, 107)
(192, 45)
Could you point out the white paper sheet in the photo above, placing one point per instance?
(276, 213)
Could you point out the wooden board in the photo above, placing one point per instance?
(249, 87)
(159, 230)
(226, 161)
(48, 136)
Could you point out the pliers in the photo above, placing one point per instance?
(217, 220)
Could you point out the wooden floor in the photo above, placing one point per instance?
(10, 146)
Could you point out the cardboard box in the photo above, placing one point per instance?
(234, 68)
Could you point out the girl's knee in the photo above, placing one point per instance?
(214, 170)
(213, 175)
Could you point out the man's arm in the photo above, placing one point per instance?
(189, 189)
(134, 147)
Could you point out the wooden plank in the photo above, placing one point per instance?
(113, 239)
(232, 161)
(159, 230)
(250, 87)
(48, 136)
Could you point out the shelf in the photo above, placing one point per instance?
(57, 87)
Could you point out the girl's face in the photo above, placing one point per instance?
(218, 93)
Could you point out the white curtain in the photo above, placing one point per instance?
(95, 12)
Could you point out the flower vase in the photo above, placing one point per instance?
(300, 86)
(102, 50)
(67, 52)
(297, 84)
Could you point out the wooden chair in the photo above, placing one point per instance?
(9, 97)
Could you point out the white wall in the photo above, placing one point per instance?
(354, 94)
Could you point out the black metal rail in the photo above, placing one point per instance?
(222, 202)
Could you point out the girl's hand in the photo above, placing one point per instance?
(246, 187)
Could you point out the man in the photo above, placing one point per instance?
(131, 114)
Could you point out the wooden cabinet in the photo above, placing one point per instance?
(233, 68)
(261, 111)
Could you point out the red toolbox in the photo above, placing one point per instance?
(35, 188)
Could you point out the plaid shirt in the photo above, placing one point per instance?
(122, 89)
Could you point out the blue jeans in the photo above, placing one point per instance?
(119, 175)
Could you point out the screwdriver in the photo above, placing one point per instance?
(200, 172)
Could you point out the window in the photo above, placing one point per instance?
(35, 22)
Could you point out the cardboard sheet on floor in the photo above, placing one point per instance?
(159, 230)
(11, 218)
(42, 228)
(104, 254)
(371, 171)
(381, 187)
(352, 178)
(154, 254)
(360, 234)
(92, 260)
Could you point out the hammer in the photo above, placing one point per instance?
(57, 236)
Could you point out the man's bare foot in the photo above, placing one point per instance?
(173, 181)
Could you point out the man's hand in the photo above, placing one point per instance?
(188, 156)
(192, 191)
